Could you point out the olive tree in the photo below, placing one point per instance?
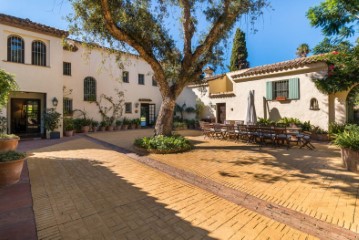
(145, 26)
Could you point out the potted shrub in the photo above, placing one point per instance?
(94, 125)
(52, 122)
(118, 124)
(138, 123)
(11, 164)
(321, 135)
(85, 125)
(77, 124)
(125, 123)
(133, 124)
(69, 127)
(348, 141)
(109, 127)
(103, 125)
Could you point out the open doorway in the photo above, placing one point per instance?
(221, 112)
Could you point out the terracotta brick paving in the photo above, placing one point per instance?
(83, 190)
(311, 182)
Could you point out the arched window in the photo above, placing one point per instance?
(38, 56)
(89, 89)
(314, 105)
(15, 49)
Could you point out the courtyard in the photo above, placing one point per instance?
(96, 187)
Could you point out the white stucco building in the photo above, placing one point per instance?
(43, 67)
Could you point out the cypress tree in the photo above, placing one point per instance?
(239, 52)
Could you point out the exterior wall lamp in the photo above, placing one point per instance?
(55, 102)
(137, 104)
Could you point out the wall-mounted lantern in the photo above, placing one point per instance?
(55, 102)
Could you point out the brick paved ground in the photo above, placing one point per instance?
(83, 190)
(311, 182)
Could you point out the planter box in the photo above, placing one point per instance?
(281, 98)
(10, 172)
(321, 137)
(350, 159)
(54, 135)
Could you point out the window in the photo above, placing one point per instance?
(283, 89)
(141, 79)
(128, 107)
(89, 89)
(154, 82)
(67, 106)
(38, 56)
(15, 49)
(125, 77)
(66, 66)
(280, 89)
(314, 105)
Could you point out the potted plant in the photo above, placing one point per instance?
(94, 125)
(85, 125)
(133, 124)
(125, 123)
(348, 141)
(103, 125)
(52, 122)
(118, 124)
(281, 98)
(138, 123)
(321, 135)
(69, 127)
(109, 127)
(8, 142)
(11, 164)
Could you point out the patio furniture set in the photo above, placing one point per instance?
(263, 135)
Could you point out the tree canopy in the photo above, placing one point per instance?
(302, 50)
(327, 46)
(239, 52)
(336, 17)
(145, 25)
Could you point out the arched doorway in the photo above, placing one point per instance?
(353, 105)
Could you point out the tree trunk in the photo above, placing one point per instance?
(165, 117)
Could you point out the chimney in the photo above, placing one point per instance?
(208, 72)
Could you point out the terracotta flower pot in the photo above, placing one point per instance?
(102, 129)
(10, 172)
(69, 133)
(350, 159)
(8, 144)
(124, 127)
(109, 128)
(85, 129)
(133, 126)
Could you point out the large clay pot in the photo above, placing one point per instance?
(109, 128)
(350, 159)
(69, 133)
(85, 129)
(125, 127)
(8, 144)
(10, 172)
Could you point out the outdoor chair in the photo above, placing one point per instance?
(252, 133)
(268, 133)
(305, 139)
(207, 130)
(217, 131)
(239, 122)
(242, 133)
(230, 132)
(281, 136)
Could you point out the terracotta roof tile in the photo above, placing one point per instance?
(295, 63)
(27, 24)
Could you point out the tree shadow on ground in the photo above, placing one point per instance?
(80, 198)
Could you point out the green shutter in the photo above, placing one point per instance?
(269, 91)
(294, 88)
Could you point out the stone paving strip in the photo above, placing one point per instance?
(82, 190)
(309, 182)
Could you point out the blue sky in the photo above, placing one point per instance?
(279, 31)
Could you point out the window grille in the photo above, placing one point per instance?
(67, 68)
(125, 76)
(128, 107)
(67, 106)
(89, 89)
(141, 79)
(38, 56)
(280, 89)
(15, 49)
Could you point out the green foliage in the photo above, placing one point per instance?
(104, 124)
(11, 156)
(288, 121)
(164, 144)
(8, 136)
(265, 122)
(69, 124)
(306, 126)
(94, 123)
(126, 121)
(3, 124)
(81, 122)
(335, 17)
(136, 121)
(179, 125)
(303, 50)
(239, 52)
(52, 119)
(7, 84)
(343, 71)
(335, 128)
(349, 138)
(118, 123)
(200, 107)
(319, 130)
(327, 46)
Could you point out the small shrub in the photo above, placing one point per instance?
(8, 136)
(265, 122)
(288, 121)
(118, 123)
(164, 144)
(11, 156)
(69, 124)
(349, 138)
(306, 126)
(94, 123)
(335, 128)
(52, 119)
